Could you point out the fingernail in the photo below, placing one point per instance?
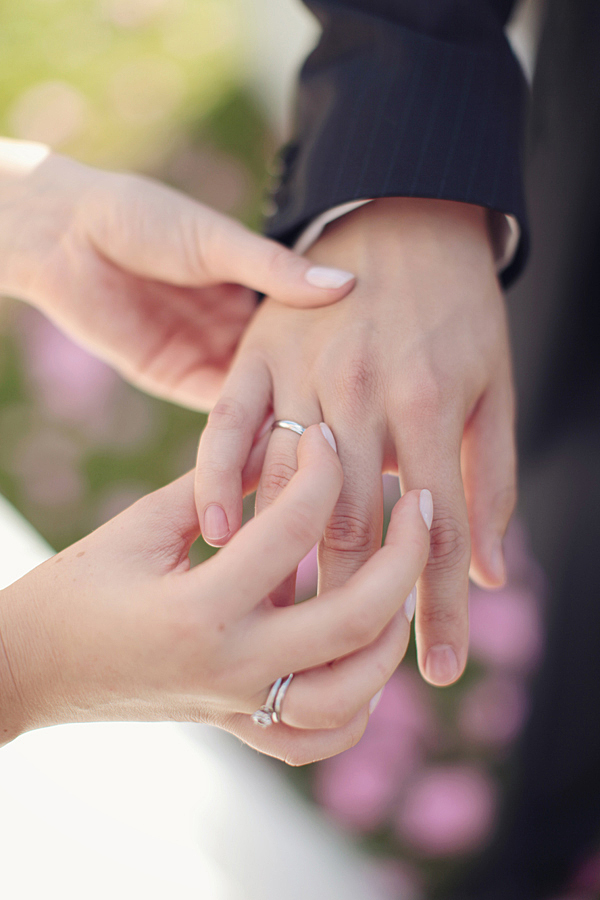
(374, 701)
(497, 563)
(323, 277)
(328, 435)
(410, 604)
(441, 665)
(426, 507)
(216, 525)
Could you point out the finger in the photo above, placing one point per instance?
(269, 547)
(225, 446)
(238, 255)
(330, 696)
(354, 531)
(431, 457)
(280, 465)
(156, 232)
(489, 464)
(346, 619)
(294, 746)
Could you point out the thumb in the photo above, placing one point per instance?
(236, 254)
(156, 232)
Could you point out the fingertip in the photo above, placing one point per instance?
(308, 286)
(488, 567)
(441, 667)
(328, 278)
(216, 530)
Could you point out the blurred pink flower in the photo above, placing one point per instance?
(447, 810)
(493, 711)
(359, 786)
(73, 385)
(505, 627)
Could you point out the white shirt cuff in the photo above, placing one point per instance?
(504, 230)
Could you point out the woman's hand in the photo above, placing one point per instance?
(156, 284)
(412, 372)
(119, 627)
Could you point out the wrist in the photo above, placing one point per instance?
(13, 715)
(28, 684)
(409, 229)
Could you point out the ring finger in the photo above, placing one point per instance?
(279, 467)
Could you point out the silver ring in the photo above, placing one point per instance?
(279, 697)
(270, 713)
(291, 426)
(265, 715)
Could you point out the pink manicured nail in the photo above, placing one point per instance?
(426, 507)
(216, 525)
(374, 701)
(441, 665)
(323, 277)
(410, 604)
(328, 435)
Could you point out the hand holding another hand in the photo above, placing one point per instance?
(156, 284)
(119, 627)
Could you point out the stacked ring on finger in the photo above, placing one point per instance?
(270, 713)
(290, 425)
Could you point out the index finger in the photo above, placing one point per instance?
(269, 547)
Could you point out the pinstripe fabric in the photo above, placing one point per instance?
(406, 98)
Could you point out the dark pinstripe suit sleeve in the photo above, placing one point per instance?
(418, 98)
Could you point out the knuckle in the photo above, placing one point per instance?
(450, 547)
(356, 382)
(276, 478)
(349, 529)
(228, 414)
(425, 394)
(442, 618)
(278, 259)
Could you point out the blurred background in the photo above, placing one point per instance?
(197, 94)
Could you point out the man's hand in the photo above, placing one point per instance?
(159, 286)
(412, 373)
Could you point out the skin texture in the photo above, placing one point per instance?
(412, 373)
(119, 627)
(157, 285)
